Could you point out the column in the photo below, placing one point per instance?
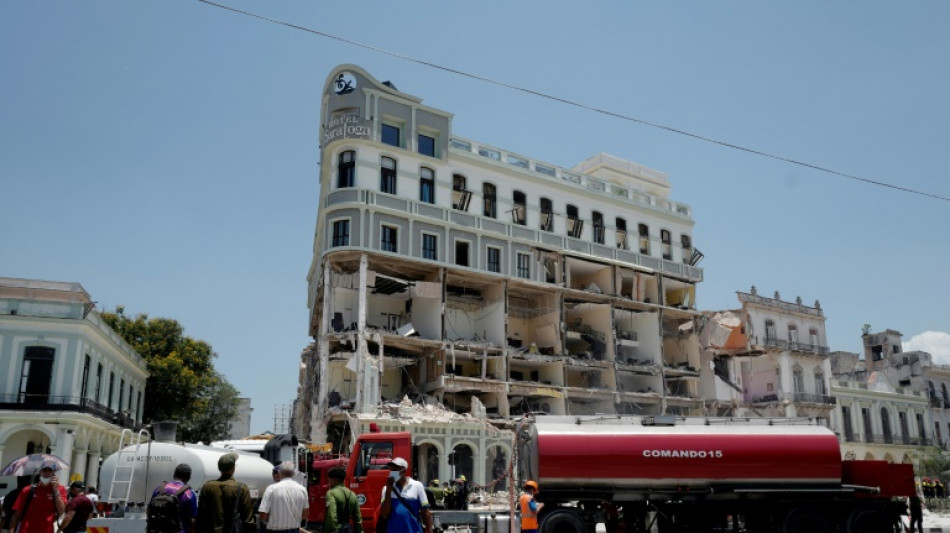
(92, 470)
(78, 464)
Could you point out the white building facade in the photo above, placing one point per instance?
(451, 271)
(69, 384)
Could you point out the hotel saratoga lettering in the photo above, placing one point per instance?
(345, 127)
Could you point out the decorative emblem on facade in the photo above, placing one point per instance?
(345, 83)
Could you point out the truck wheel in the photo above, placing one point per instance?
(805, 520)
(563, 521)
(869, 521)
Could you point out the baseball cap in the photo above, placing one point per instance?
(400, 462)
(49, 464)
(77, 485)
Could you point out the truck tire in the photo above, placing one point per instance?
(805, 520)
(865, 520)
(562, 521)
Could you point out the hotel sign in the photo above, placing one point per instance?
(346, 127)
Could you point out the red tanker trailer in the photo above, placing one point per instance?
(669, 474)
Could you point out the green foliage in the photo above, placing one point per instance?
(933, 463)
(183, 384)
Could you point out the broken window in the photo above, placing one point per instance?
(461, 253)
(792, 333)
(598, 219)
(644, 231)
(667, 244)
(547, 214)
(769, 332)
(519, 211)
(687, 242)
(460, 195)
(574, 224)
(813, 337)
(490, 201)
(346, 169)
(621, 233)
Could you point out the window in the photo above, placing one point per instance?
(387, 175)
(820, 383)
(95, 394)
(687, 242)
(110, 405)
(388, 239)
(547, 214)
(769, 332)
(346, 169)
(121, 394)
(792, 333)
(426, 185)
(902, 421)
(574, 224)
(866, 420)
(937, 436)
(86, 367)
(494, 259)
(886, 426)
(390, 135)
(341, 233)
(921, 430)
(667, 244)
(430, 245)
(460, 195)
(519, 212)
(524, 265)
(461, 253)
(36, 374)
(621, 233)
(846, 422)
(426, 145)
(813, 337)
(798, 382)
(490, 199)
(598, 219)
(644, 231)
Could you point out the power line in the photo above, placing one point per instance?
(581, 105)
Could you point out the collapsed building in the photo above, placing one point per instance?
(483, 285)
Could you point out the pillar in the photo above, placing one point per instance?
(92, 470)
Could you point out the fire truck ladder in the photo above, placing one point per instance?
(125, 470)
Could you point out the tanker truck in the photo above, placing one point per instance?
(666, 474)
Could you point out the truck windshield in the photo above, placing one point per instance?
(373, 456)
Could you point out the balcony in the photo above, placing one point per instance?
(805, 397)
(794, 346)
(72, 404)
(445, 216)
(897, 440)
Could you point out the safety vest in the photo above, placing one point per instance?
(529, 518)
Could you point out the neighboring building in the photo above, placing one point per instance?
(69, 384)
(240, 426)
(873, 418)
(455, 273)
(768, 358)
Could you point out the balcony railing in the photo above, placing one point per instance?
(794, 346)
(878, 438)
(805, 397)
(42, 402)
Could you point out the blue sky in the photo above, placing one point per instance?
(165, 154)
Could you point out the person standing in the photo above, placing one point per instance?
(342, 505)
(225, 503)
(529, 508)
(286, 503)
(78, 509)
(37, 506)
(916, 515)
(404, 506)
(187, 499)
(94, 498)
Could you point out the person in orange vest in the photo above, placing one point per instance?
(529, 508)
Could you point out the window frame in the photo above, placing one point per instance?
(643, 231)
(434, 249)
(391, 126)
(387, 175)
(335, 238)
(467, 244)
(426, 184)
(489, 200)
(497, 259)
(523, 265)
(348, 179)
(388, 245)
(433, 138)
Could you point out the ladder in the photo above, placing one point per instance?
(125, 470)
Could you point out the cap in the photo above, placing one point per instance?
(77, 485)
(531, 484)
(400, 462)
(276, 469)
(49, 464)
(226, 461)
(462, 477)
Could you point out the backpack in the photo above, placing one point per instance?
(163, 514)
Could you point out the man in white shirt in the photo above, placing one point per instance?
(285, 504)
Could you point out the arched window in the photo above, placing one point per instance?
(461, 196)
(798, 381)
(667, 244)
(820, 383)
(547, 214)
(621, 233)
(346, 169)
(387, 175)
(519, 211)
(490, 199)
(574, 224)
(426, 185)
(598, 219)
(886, 426)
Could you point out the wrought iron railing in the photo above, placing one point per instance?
(43, 402)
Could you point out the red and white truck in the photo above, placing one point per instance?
(669, 474)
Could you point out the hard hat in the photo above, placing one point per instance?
(531, 484)
(462, 477)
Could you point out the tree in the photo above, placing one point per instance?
(183, 384)
(932, 463)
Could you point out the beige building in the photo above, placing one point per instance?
(486, 283)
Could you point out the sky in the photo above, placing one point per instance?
(165, 154)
